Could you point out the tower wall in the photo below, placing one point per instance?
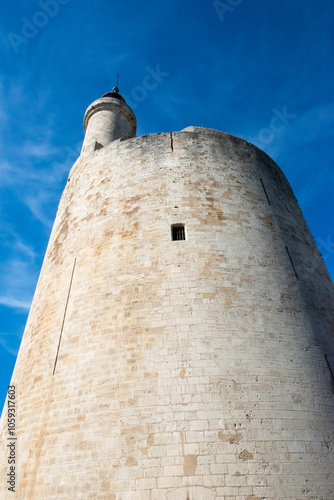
(106, 120)
(172, 370)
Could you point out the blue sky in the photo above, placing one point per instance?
(259, 69)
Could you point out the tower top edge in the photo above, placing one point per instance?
(110, 103)
(213, 131)
(196, 132)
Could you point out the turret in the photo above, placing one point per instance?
(107, 119)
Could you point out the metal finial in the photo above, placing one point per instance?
(116, 89)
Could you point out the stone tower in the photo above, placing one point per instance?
(180, 341)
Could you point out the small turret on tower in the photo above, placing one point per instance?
(107, 119)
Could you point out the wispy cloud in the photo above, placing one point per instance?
(26, 250)
(16, 304)
(39, 204)
(37, 176)
(316, 120)
(39, 150)
(10, 343)
(18, 276)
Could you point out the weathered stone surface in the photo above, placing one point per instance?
(186, 369)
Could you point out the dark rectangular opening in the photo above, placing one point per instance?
(178, 232)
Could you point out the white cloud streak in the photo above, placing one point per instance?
(7, 344)
(14, 303)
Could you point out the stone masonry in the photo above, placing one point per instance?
(153, 369)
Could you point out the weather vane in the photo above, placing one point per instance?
(116, 89)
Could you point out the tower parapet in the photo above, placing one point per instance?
(107, 119)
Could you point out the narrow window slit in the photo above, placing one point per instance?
(265, 191)
(330, 368)
(292, 264)
(171, 141)
(178, 232)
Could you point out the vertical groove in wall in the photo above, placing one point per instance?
(265, 191)
(171, 141)
(62, 326)
(292, 264)
(43, 426)
(330, 371)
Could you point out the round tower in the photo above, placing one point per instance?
(180, 341)
(106, 120)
